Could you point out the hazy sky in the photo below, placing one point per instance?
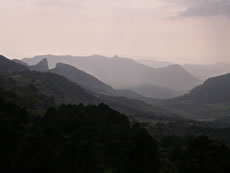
(185, 31)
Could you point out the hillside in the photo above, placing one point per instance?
(156, 91)
(38, 91)
(209, 101)
(80, 77)
(71, 137)
(95, 139)
(8, 67)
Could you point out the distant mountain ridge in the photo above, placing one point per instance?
(200, 71)
(154, 64)
(124, 73)
(204, 72)
(92, 83)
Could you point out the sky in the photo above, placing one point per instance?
(180, 31)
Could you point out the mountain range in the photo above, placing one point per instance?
(124, 73)
(60, 120)
(40, 90)
(206, 102)
(200, 71)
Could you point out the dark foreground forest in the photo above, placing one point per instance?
(89, 139)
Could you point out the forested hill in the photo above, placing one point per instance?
(208, 101)
(72, 138)
(214, 90)
(97, 139)
(38, 91)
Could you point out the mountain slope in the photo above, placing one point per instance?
(91, 83)
(124, 73)
(156, 92)
(44, 90)
(7, 66)
(177, 77)
(204, 72)
(208, 101)
(38, 91)
(81, 78)
(20, 62)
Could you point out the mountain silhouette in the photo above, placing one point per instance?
(82, 78)
(122, 73)
(40, 90)
(92, 83)
(7, 66)
(41, 66)
(209, 101)
(153, 63)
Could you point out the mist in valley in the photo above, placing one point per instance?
(105, 86)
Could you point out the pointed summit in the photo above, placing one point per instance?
(42, 66)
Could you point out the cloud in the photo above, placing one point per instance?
(205, 7)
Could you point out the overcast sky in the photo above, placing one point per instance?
(182, 31)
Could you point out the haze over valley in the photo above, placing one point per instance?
(115, 86)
